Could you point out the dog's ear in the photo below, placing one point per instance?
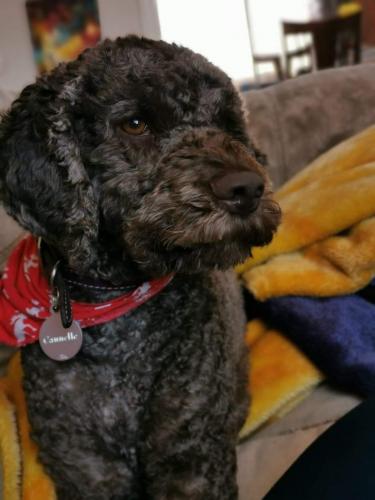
(43, 183)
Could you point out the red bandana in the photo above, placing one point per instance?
(25, 299)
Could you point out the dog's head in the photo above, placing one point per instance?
(137, 152)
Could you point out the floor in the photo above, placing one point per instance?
(264, 457)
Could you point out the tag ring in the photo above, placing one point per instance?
(53, 274)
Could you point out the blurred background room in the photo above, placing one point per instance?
(257, 42)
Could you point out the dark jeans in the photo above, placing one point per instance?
(339, 465)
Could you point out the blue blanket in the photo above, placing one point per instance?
(336, 333)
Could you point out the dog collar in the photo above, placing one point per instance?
(61, 277)
(26, 298)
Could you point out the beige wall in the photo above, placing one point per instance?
(117, 17)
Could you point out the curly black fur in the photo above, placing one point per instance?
(151, 406)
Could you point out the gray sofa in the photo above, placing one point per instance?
(296, 120)
(292, 122)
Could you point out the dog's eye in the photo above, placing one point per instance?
(134, 126)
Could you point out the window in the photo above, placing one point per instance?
(215, 28)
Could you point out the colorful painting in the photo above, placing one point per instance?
(61, 29)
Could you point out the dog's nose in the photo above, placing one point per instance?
(240, 192)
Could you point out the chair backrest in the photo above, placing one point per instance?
(336, 41)
(302, 52)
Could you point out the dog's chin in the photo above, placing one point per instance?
(221, 255)
(218, 241)
(227, 240)
(194, 243)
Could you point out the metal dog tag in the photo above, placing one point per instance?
(57, 342)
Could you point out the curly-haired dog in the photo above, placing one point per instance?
(133, 162)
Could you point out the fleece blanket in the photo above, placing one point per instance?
(324, 250)
(337, 333)
(23, 476)
(312, 282)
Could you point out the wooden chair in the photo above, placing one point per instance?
(274, 59)
(335, 41)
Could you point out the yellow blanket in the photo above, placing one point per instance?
(325, 246)
(23, 476)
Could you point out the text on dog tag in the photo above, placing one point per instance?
(57, 342)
